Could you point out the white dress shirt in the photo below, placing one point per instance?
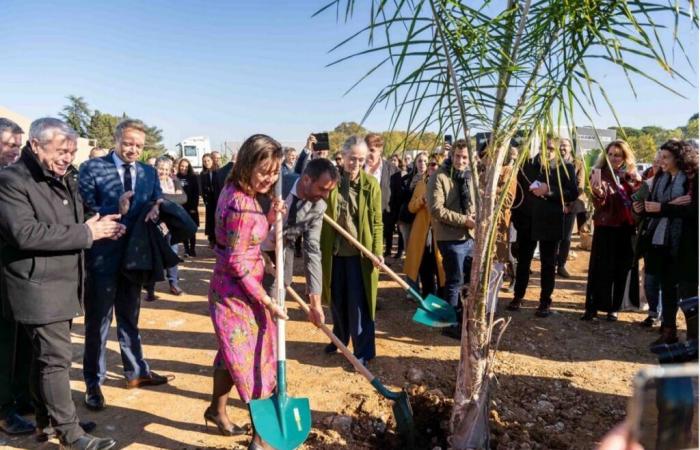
(120, 170)
(377, 173)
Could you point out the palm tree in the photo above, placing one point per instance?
(515, 66)
(77, 114)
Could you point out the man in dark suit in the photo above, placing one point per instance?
(382, 171)
(305, 198)
(113, 184)
(42, 236)
(15, 348)
(545, 183)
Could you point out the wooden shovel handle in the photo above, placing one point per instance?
(365, 251)
(348, 354)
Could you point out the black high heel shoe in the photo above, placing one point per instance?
(211, 416)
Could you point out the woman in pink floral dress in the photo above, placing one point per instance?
(242, 313)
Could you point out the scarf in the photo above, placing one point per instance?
(667, 231)
(461, 181)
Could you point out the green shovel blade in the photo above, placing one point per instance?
(438, 308)
(282, 422)
(428, 318)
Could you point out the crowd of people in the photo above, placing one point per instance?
(92, 239)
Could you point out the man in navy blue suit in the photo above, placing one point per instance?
(116, 184)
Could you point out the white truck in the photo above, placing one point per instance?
(192, 149)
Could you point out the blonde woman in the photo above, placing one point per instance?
(423, 258)
(613, 181)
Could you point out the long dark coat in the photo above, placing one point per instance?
(42, 236)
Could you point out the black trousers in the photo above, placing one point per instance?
(15, 362)
(49, 379)
(428, 273)
(565, 243)
(389, 222)
(611, 260)
(548, 257)
(351, 315)
(662, 266)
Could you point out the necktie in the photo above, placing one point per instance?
(292, 216)
(128, 184)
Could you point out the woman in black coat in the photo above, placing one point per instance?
(207, 189)
(190, 185)
(669, 237)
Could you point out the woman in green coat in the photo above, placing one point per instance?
(350, 280)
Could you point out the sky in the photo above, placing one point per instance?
(227, 69)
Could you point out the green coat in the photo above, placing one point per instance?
(370, 232)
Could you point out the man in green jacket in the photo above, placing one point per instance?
(349, 280)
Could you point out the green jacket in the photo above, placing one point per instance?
(370, 232)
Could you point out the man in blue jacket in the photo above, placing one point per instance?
(116, 184)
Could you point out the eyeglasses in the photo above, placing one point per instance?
(433, 164)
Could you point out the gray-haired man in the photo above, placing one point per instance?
(43, 236)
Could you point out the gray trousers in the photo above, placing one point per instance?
(49, 380)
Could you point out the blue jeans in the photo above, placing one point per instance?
(455, 258)
(652, 290)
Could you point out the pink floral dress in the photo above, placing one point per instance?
(244, 329)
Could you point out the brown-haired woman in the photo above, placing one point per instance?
(190, 184)
(613, 181)
(669, 232)
(208, 190)
(240, 309)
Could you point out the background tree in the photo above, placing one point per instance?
(343, 131)
(691, 129)
(77, 114)
(503, 67)
(101, 129)
(154, 143)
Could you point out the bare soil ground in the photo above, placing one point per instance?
(561, 383)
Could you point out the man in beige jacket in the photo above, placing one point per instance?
(452, 220)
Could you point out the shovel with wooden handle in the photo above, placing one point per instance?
(281, 421)
(400, 404)
(433, 311)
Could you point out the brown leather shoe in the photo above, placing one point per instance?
(152, 379)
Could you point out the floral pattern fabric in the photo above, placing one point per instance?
(245, 330)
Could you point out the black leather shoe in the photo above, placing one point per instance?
(14, 424)
(514, 305)
(543, 310)
(330, 349)
(611, 317)
(50, 433)
(454, 332)
(94, 400)
(88, 442)
(562, 272)
(588, 316)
